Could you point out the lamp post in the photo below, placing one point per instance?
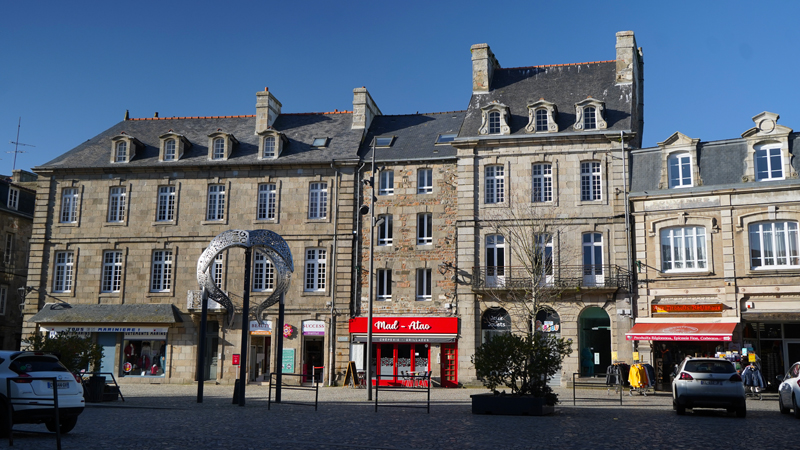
(371, 264)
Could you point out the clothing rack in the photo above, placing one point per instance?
(642, 378)
(617, 376)
(753, 380)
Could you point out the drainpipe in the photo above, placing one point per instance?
(332, 331)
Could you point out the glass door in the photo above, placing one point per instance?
(495, 260)
(387, 362)
(593, 259)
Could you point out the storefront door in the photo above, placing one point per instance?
(397, 358)
(312, 357)
(595, 341)
(449, 367)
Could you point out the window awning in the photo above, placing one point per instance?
(60, 313)
(681, 332)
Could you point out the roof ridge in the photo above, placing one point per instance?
(424, 114)
(192, 117)
(317, 113)
(559, 65)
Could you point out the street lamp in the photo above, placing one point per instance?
(371, 264)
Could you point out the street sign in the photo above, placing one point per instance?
(235, 360)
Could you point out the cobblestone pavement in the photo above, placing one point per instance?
(167, 417)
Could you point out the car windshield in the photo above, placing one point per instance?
(27, 364)
(709, 367)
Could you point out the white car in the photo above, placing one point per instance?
(708, 383)
(789, 391)
(32, 365)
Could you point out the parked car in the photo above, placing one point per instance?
(33, 365)
(708, 383)
(789, 391)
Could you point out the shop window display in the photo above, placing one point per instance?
(144, 358)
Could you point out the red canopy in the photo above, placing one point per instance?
(681, 332)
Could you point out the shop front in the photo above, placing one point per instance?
(260, 345)
(776, 343)
(313, 350)
(407, 345)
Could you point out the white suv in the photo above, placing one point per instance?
(708, 383)
(33, 365)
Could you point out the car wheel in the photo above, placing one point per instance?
(3, 419)
(783, 409)
(741, 412)
(679, 409)
(794, 406)
(66, 424)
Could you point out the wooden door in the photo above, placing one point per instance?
(449, 365)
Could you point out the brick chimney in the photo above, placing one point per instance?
(268, 108)
(483, 65)
(628, 57)
(364, 109)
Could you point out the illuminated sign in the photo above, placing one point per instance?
(708, 307)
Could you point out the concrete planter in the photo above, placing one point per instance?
(510, 405)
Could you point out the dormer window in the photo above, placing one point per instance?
(220, 145)
(679, 167)
(680, 170)
(542, 117)
(173, 145)
(270, 144)
(269, 147)
(769, 162)
(320, 142)
(589, 115)
(123, 148)
(495, 119)
(122, 152)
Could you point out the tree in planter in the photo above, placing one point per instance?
(76, 352)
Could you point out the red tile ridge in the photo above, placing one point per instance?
(560, 65)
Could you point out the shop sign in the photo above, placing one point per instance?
(437, 325)
(262, 329)
(235, 359)
(314, 328)
(130, 332)
(707, 307)
(287, 362)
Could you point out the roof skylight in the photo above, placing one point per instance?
(383, 141)
(320, 142)
(446, 138)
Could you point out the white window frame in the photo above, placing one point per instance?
(64, 269)
(544, 247)
(267, 207)
(165, 208)
(771, 157)
(3, 300)
(591, 181)
(777, 244)
(112, 271)
(215, 205)
(383, 283)
(218, 270)
(424, 285)
(386, 182)
(589, 118)
(218, 152)
(263, 273)
(542, 182)
(121, 152)
(316, 270)
(542, 122)
(385, 230)
(424, 229)
(494, 177)
(318, 200)
(679, 170)
(270, 147)
(494, 122)
(684, 249)
(116, 204)
(496, 260)
(8, 250)
(13, 198)
(170, 150)
(69, 205)
(161, 273)
(425, 181)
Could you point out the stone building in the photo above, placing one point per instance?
(716, 241)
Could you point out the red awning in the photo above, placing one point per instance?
(681, 332)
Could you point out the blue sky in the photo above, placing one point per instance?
(71, 69)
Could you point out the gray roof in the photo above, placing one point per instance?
(61, 313)
(564, 85)
(415, 136)
(300, 129)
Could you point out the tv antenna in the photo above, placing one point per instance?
(16, 146)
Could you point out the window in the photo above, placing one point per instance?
(316, 264)
(267, 201)
(544, 254)
(263, 272)
(385, 229)
(169, 150)
(8, 250)
(219, 149)
(320, 142)
(386, 183)
(384, 141)
(216, 202)
(69, 205)
(495, 260)
(495, 184)
(161, 279)
(589, 118)
(680, 170)
(269, 147)
(589, 115)
(384, 282)
(541, 119)
(217, 270)
(774, 245)
(3, 300)
(116, 204)
(318, 201)
(121, 154)
(494, 122)
(13, 198)
(683, 249)
(62, 276)
(446, 138)
(423, 284)
(424, 181)
(590, 181)
(593, 259)
(166, 204)
(542, 175)
(769, 163)
(112, 271)
(424, 229)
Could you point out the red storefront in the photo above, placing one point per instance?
(404, 344)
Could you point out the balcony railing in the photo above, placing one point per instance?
(560, 277)
(194, 302)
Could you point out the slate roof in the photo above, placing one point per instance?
(300, 129)
(721, 165)
(564, 85)
(415, 136)
(132, 313)
(26, 201)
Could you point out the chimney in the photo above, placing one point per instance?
(483, 65)
(628, 57)
(268, 108)
(364, 109)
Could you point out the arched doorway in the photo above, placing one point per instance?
(595, 341)
(494, 321)
(548, 323)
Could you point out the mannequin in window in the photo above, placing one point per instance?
(666, 362)
(587, 361)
